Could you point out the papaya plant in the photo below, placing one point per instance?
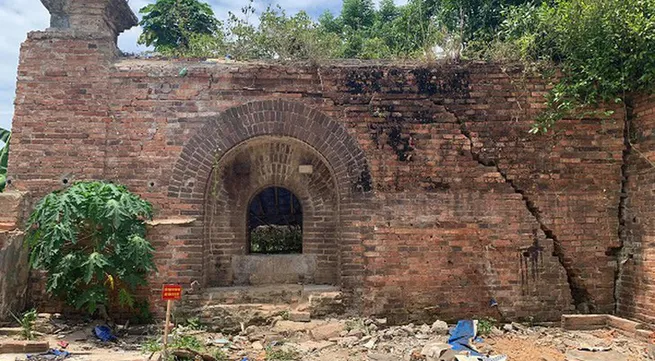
(5, 136)
(90, 240)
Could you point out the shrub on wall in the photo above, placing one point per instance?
(605, 50)
(90, 240)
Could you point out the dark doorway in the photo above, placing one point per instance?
(275, 222)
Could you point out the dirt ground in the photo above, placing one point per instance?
(353, 339)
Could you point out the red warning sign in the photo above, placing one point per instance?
(171, 292)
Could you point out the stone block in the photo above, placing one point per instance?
(11, 346)
(14, 272)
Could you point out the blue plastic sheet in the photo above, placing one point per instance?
(52, 354)
(462, 336)
(104, 333)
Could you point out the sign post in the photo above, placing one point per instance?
(169, 294)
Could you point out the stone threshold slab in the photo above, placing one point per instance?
(595, 322)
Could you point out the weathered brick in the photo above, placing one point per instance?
(428, 197)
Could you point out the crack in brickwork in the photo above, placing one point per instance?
(579, 293)
(620, 252)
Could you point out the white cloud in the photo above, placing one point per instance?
(18, 17)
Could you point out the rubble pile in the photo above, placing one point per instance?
(370, 339)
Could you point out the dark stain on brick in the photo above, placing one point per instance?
(400, 143)
(531, 259)
(433, 81)
(364, 182)
(364, 81)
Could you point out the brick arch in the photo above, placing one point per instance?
(242, 173)
(270, 117)
(201, 154)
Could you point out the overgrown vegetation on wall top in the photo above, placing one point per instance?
(605, 49)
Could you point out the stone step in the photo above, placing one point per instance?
(271, 294)
(234, 318)
(229, 309)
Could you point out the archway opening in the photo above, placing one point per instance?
(275, 222)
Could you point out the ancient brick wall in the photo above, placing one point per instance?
(636, 292)
(440, 200)
(14, 269)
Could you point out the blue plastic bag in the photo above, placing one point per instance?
(52, 354)
(462, 336)
(104, 333)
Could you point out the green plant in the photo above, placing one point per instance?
(220, 355)
(90, 240)
(142, 315)
(186, 341)
(178, 340)
(5, 137)
(285, 315)
(486, 325)
(194, 323)
(276, 239)
(604, 49)
(281, 355)
(170, 24)
(26, 323)
(360, 31)
(151, 345)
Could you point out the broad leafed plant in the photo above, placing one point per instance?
(90, 240)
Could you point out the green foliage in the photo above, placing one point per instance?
(151, 345)
(194, 323)
(291, 37)
(220, 355)
(281, 355)
(276, 239)
(473, 21)
(191, 342)
(360, 31)
(407, 31)
(142, 315)
(357, 14)
(5, 137)
(170, 24)
(178, 341)
(26, 323)
(486, 325)
(90, 239)
(605, 50)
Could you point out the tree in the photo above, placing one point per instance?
(471, 21)
(388, 12)
(358, 14)
(90, 240)
(293, 37)
(5, 136)
(415, 30)
(330, 24)
(170, 24)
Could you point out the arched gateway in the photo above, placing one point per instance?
(232, 164)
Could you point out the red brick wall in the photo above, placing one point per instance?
(445, 200)
(636, 291)
(14, 269)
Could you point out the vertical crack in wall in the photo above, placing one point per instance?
(579, 293)
(620, 252)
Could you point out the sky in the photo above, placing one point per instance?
(18, 17)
